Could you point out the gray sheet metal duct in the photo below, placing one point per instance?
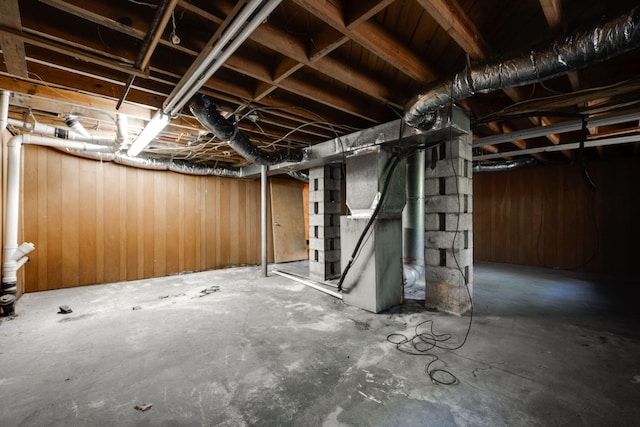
(413, 220)
(508, 165)
(576, 51)
(299, 175)
(204, 109)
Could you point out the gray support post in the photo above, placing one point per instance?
(264, 204)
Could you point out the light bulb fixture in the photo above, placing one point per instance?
(153, 128)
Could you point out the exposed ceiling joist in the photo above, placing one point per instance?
(453, 19)
(12, 46)
(373, 37)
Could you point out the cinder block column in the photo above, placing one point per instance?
(325, 202)
(449, 226)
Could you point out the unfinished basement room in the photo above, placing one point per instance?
(320, 213)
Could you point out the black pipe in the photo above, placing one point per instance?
(205, 110)
(146, 43)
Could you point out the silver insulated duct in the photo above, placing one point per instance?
(205, 110)
(575, 52)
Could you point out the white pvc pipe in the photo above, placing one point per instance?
(31, 139)
(9, 265)
(11, 250)
(59, 133)
(308, 283)
(4, 109)
(76, 126)
(122, 129)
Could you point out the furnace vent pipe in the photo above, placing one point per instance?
(575, 52)
(76, 126)
(413, 227)
(204, 109)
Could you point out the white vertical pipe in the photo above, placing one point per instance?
(122, 129)
(4, 109)
(263, 218)
(9, 266)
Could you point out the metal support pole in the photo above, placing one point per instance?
(263, 218)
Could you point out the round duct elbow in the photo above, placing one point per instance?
(205, 110)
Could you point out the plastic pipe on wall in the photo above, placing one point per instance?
(60, 133)
(14, 255)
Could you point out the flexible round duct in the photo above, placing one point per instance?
(575, 52)
(205, 110)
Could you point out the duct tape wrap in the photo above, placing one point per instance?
(205, 110)
(575, 52)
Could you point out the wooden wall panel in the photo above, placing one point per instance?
(545, 217)
(98, 222)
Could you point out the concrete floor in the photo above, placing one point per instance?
(546, 348)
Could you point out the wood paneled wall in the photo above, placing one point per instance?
(97, 222)
(547, 216)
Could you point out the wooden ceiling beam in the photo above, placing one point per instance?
(552, 10)
(347, 104)
(95, 17)
(454, 20)
(253, 69)
(286, 44)
(325, 42)
(72, 52)
(363, 10)
(12, 45)
(71, 98)
(374, 38)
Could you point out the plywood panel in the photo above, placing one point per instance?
(70, 223)
(289, 243)
(96, 222)
(545, 217)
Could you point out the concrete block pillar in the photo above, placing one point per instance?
(449, 226)
(325, 202)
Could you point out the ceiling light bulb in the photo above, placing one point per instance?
(175, 39)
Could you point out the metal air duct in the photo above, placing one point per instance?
(509, 165)
(205, 110)
(575, 52)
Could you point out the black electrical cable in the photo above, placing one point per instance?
(423, 342)
(583, 166)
